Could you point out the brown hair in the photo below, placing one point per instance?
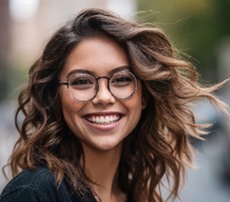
(159, 145)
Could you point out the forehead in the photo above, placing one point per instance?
(96, 54)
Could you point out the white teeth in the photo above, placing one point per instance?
(103, 119)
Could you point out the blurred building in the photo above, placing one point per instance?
(32, 22)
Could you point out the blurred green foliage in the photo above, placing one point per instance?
(17, 78)
(195, 27)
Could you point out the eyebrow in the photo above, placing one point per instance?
(84, 71)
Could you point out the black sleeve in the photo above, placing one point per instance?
(22, 195)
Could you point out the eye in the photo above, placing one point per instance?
(122, 80)
(82, 82)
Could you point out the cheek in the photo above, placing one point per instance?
(137, 101)
(135, 106)
(70, 108)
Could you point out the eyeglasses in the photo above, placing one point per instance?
(84, 87)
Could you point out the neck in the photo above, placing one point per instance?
(101, 167)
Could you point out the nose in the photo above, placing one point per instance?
(103, 95)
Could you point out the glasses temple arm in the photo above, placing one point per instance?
(63, 83)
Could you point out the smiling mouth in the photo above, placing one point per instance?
(103, 120)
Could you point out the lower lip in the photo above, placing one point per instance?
(103, 127)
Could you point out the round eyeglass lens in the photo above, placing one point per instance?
(123, 85)
(82, 87)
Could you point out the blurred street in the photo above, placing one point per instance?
(205, 184)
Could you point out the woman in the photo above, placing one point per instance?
(106, 115)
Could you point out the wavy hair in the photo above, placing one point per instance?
(156, 150)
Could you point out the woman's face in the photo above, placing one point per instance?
(103, 122)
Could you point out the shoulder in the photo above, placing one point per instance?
(34, 185)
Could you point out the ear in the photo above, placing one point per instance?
(144, 101)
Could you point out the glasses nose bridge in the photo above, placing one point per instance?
(102, 77)
(107, 86)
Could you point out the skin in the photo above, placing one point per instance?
(102, 143)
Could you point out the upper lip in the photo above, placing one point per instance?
(103, 113)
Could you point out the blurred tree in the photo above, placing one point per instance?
(196, 27)
(4, 47)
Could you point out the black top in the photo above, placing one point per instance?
(39, 186)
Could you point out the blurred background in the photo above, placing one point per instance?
(199, 29)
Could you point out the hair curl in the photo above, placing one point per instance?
(159, 145)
